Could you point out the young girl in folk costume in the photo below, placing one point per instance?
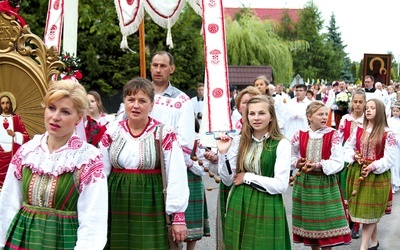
(394, 125)
(260, 164)
(96, 119)
(319, 218)
(371, 151)
(237, 122)
(347, 125)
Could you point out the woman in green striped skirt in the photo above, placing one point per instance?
(132, 159)
(371, 152)
(55, 192)
(260, 165)
(319, 218)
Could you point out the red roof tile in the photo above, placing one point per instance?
(263, 14)
(245, 75)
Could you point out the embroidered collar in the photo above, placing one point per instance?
(266, 136)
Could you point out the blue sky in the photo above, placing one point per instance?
(366, 26)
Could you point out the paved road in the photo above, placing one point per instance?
(388, 227)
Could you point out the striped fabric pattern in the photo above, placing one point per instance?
(318, 211)
(196, 213)
(369, 205)
(37, 227)
(136, 211)
(254, 219)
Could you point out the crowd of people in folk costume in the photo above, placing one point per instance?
(337, 144)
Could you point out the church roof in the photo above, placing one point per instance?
(264, 14)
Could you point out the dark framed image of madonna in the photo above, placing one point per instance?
(378, 66)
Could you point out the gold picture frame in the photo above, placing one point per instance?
(27, 67)
(378, 66)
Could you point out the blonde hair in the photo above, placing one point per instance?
(247, 130)
(313, 107)
(67, 89)
(251, 90)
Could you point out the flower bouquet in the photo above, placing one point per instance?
(342, 100)
(72, 66)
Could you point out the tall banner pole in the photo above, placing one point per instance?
(142, 50)
(216, 112)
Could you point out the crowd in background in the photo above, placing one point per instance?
(134, 180)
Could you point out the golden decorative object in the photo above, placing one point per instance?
(27, 67)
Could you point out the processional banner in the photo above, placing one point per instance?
(216, 112)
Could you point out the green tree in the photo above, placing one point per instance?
(287, 29)
(251, 41)
(339, 61)
(105, 66)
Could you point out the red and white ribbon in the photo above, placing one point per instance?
(216, 113)
(54, 24)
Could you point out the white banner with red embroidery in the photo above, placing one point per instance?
(216, 112)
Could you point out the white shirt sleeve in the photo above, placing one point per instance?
(185, 131)
(10, 202)
(349, 148)
(177, 182)
(231, 157)
(92, 215)
(335, 162)
(389, 155)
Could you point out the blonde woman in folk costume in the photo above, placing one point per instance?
(55, 192)
(370, 151)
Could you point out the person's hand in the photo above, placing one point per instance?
(224, 142)
(239, 179)
(179, 233)
(10, 132)
(211, 156)
(310, 166)
(301, 162)
(365, 171)
(358, 157)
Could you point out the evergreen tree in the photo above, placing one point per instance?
(313, 63)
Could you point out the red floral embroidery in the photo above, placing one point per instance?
(178, 105)
(91, 172)
(178, 218)
(391, 139)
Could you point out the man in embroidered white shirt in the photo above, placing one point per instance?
(295, 112)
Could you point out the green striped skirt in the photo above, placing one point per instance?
(318, 211)
(369, 204)
(255, 220)
(136, 210)
(43, 228)
(196, 213)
